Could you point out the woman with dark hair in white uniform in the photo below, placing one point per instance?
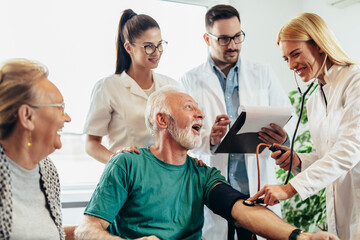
(118, 101)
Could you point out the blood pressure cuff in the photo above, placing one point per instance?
(222, 198)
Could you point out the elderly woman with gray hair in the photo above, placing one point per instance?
(31, 115)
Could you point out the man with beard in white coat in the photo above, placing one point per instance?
(220, 85)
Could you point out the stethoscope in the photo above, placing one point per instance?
(273, 148)
(303, 95)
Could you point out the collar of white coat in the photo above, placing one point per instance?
(216, 68)
(135, 89)
(334, 74)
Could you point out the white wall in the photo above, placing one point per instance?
(262, 19)
(76, 40)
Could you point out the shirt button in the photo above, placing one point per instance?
(228, 97)
(232, 155)
(231, 175)
(230, 79)
(230, 116)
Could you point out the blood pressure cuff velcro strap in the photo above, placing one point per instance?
(222, 198)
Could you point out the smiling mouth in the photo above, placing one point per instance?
(197, 127)
(300, 71)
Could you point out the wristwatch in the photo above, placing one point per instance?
(294, 234)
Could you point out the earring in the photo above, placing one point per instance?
(29, 141)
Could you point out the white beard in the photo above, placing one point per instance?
(185, 137)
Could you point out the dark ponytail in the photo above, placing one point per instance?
(131, 26)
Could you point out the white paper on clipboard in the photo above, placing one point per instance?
(259, 117)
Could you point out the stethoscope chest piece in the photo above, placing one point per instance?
(249, 203)
(252, 203)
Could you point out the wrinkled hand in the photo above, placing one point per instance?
(128, 149)
(274, 193)
(271, 136)
(148, 238)
(319, 236)
(219, 129)
(284, 160)
(199, 163)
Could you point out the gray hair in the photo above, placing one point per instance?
(157, 103)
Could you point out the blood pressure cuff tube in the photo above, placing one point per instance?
(222, 198)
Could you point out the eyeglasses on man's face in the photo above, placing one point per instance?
(151, 48)
(225, 40)
(59, 105)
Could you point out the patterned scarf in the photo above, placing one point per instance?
(49, 183)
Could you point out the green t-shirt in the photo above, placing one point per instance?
(141, 195)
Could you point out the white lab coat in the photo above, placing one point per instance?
(117, 110)
(334, 161)
(258, 86)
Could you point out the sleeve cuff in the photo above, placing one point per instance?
(287, 141)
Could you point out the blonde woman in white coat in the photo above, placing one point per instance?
(310, 49)
(118, 101)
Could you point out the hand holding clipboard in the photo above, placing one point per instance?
(243, 135)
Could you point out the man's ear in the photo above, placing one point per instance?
(207, 38)
(162, 120)
(26, 117)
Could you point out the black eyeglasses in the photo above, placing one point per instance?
(225, 40)
(151, 48)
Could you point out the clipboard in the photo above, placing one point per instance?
(243, 135)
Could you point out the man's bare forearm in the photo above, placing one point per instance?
(261, 221)
(93, 229)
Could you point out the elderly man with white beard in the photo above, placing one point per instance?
(160, 193)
